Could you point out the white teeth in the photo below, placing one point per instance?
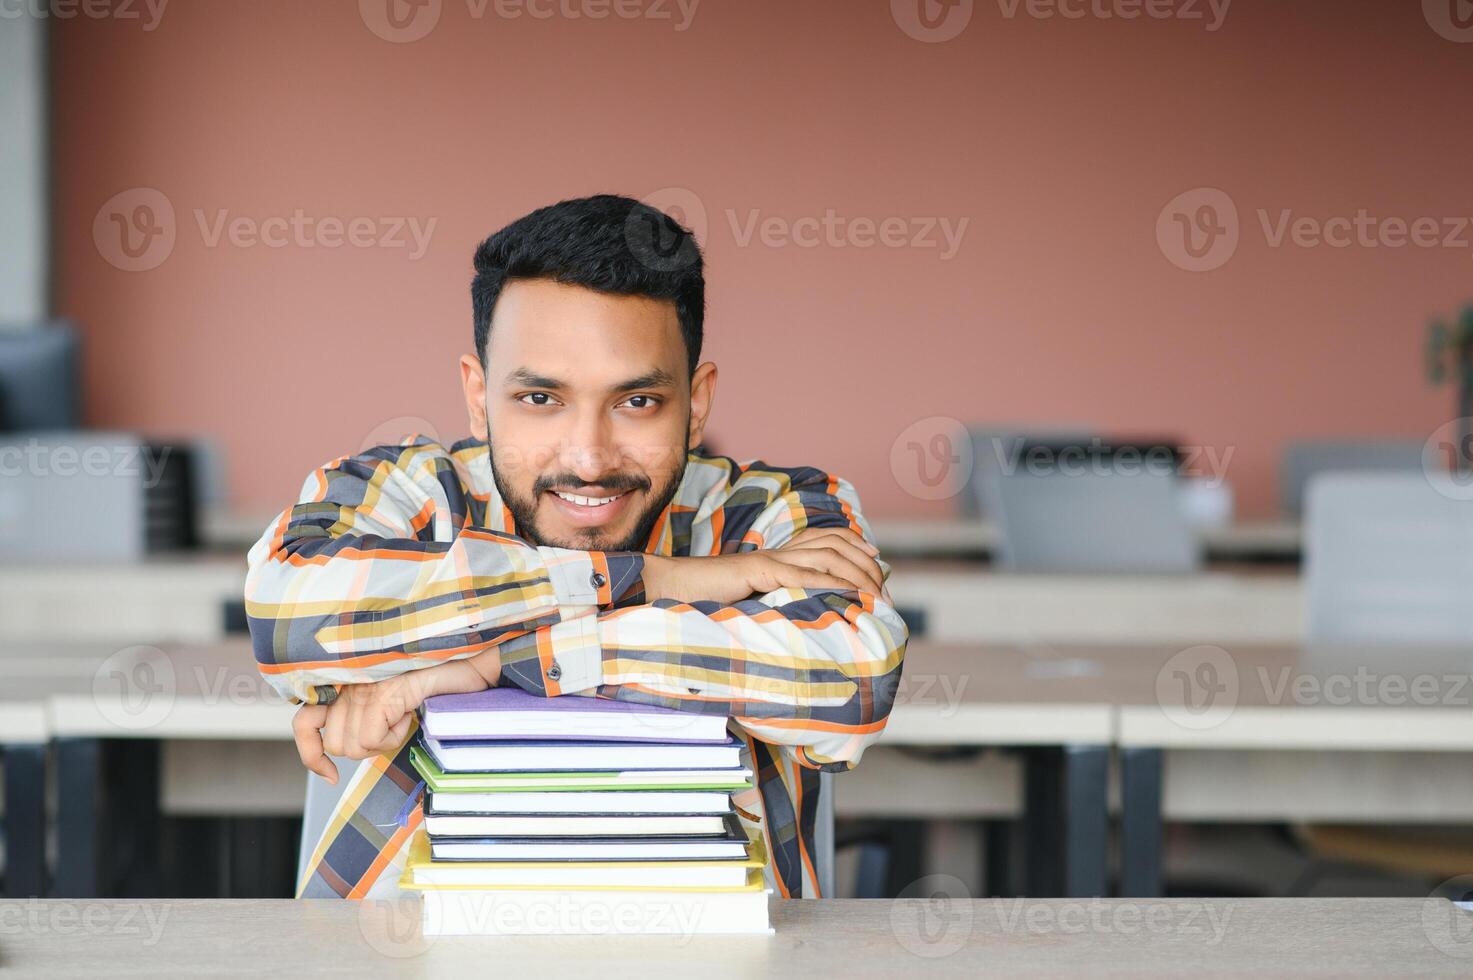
(587, 501)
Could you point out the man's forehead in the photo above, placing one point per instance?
(582, 338)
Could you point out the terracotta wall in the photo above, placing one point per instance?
(1059, 141)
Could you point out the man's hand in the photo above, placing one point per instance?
(817, 558)
(368, 719)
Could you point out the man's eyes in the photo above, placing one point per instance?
(636, 402)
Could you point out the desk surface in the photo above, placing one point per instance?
(855, 938)
(922, 537)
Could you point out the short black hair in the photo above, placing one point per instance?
(608, 243)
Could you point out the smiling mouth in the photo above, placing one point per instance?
(591, 503)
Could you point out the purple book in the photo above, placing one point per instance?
(509, 713)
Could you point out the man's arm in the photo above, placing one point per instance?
(367, 578)
(813, 669)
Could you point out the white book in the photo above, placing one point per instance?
(570, 802)
(660, 849)
(582, 825)
(476, 756)
(632, 874)
(565, 912)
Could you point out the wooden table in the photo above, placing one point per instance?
(946, 937)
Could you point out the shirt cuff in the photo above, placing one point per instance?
(565, 658)
(593, 578)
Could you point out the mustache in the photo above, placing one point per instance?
(616, 482)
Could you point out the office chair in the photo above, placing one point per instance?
(1388, 561)
(1304, 460)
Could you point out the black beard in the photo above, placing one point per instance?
(523, 512)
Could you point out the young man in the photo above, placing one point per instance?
(576, 545)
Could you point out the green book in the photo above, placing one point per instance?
(440, 781)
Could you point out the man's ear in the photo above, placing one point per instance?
(473, 381)
(702, 397)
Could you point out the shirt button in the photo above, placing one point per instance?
(554, 672)
(598, 580)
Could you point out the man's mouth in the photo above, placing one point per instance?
(589, 510)
(574, 498)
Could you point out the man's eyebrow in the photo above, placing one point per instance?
(523, 376)
(658, 378)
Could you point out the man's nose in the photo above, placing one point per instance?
(588, 448)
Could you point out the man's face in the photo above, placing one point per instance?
(589, 406)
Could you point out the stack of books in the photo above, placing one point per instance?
(577, 815)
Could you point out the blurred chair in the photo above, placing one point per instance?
(322, 798)
(1388, 560)
(1112, 514)
(1303, 460)
(995, 450)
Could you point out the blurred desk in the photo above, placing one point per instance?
(1278, 541)
(1263, 938)
(168, 598)
(1287, 732)
(971, 604)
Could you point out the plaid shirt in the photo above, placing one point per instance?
(404, 557)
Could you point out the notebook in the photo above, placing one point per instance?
(731, 873)
(439, 824)
(464, 911)
(554, 756)
(553, 782)
(619, 801)
(732, 842)
(511, 713)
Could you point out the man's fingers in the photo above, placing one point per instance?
(305, 724)
(873, 577)
(398, 732)
(802, 569)
(832, 533)
(835, 563)
(332, 728)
